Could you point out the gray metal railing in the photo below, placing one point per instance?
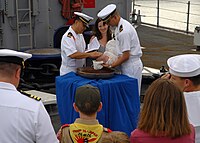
(158, 9)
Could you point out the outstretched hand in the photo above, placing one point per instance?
(106, 65)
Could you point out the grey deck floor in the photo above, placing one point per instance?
(161, 44)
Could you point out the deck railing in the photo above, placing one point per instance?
(158, 9)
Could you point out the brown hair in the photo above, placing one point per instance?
(195, 79)
(97, 33)
(115, 137)
(164, 111)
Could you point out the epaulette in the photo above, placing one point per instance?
(107, 130)
(69, 35)
(120, 28)
(30, 95)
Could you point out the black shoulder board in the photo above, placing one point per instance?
(30, 95)
(69, 35)
(120, 28)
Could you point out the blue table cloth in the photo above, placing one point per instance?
(119, 95)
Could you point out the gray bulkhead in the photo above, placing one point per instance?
(45, 18)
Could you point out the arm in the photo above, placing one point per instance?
(69, 48)
(44, 128)
(80, 55)
(124, 48)
(121, 59)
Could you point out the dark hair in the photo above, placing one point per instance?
(164, 111)
(97, 33)
(87, 99)
(195, 79)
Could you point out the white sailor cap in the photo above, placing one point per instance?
(186, 65)
(84, 18)
(11, 56)
(107, 12)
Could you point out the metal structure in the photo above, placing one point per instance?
(29, 24)
(157, 8)
(37, 26)
(24, 27)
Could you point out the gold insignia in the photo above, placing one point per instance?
(30, 95)
(69, 35)
(23, 66)
(120, 28)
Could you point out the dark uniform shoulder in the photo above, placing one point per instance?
(107, 130)
(121, 28)
(69, 35)
(30, 95)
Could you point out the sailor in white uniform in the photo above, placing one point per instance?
(73, 45)
(128, 44)
(185, 72)
(23, 116)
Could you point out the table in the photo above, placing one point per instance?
(119, 95)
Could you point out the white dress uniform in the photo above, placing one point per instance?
(188, 65)
(23, 119)
(192, 100)
(70, 44)
(127, 40)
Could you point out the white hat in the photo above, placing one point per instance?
(84, 18)
(187, 65)
(107, 12)
(11, 56)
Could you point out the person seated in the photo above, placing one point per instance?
(86, 128)
(163, 118)
(115, 137)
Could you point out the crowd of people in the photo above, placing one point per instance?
(169, 113)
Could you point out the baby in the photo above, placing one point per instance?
(110, 54)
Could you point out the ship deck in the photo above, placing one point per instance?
(160, 44)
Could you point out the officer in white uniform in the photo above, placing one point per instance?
(23, 116)
(185, 72)
(73, 45)
(128, 44)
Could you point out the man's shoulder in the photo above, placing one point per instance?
(34, 97)
(68, 35)
(29, 102)
(125, 26)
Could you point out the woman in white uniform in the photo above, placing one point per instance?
(73, 45)
(128, 44)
